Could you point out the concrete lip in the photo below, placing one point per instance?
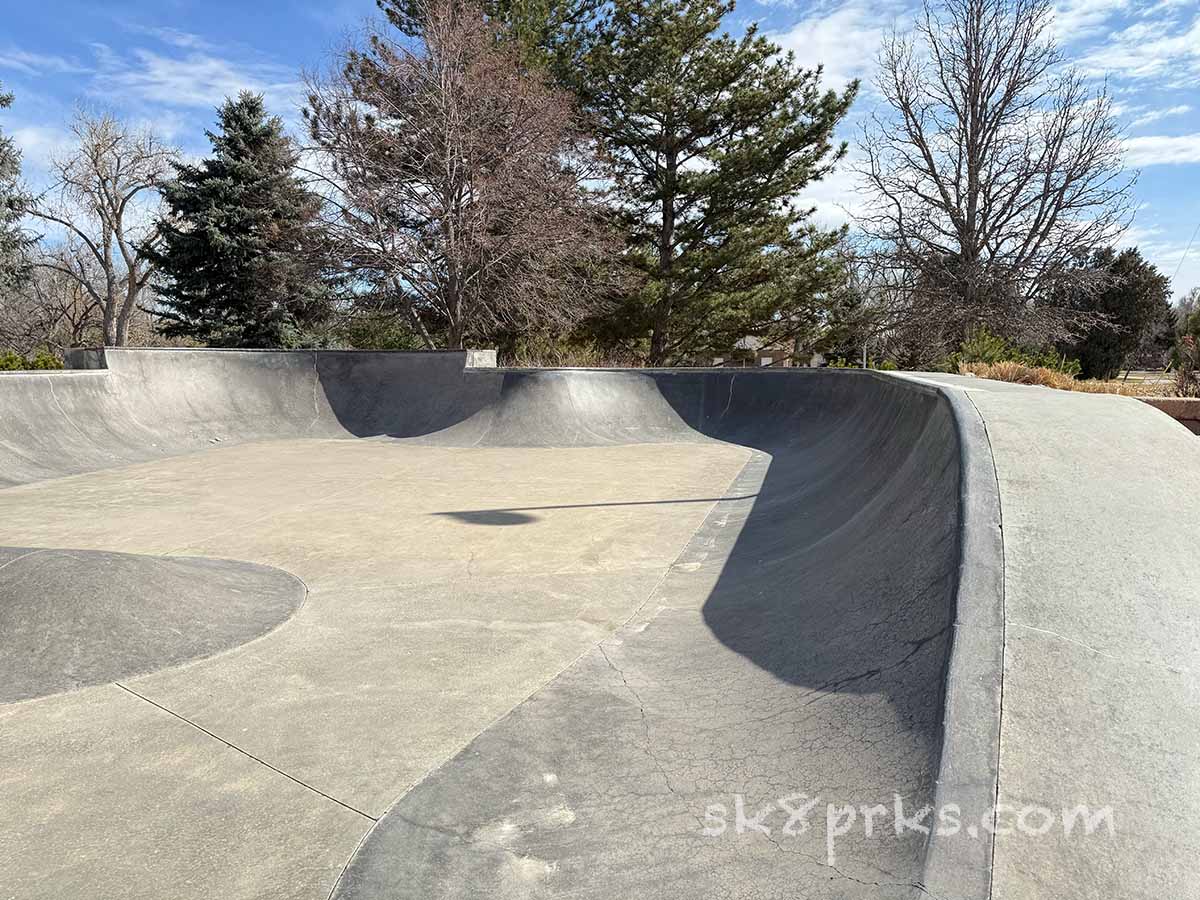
(566, 632)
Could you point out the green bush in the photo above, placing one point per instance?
(11, 361)
(981, 346)
(44, 359)
(377, 331)
(883, 365)
(984, 347)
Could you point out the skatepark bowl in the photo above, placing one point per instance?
(318, 624)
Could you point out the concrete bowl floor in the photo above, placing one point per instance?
(445, 586)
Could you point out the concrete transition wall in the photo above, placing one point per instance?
(970, 513)
(1185, 410)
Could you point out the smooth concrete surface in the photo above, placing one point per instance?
(107, 795)
(71, 618)
(560, 623)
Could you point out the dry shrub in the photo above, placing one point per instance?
(1187, 368)
(540, 352)
(1018, 373)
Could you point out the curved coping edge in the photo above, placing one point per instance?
(960, 848)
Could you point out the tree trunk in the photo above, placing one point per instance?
(110, 324)
(456, 328)
(660, 332)
(414, 317)
(127, 306)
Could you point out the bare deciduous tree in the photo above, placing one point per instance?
(994, 171)
(57, 306)
(105, 197)
(458, 180)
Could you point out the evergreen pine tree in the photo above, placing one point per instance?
(13, 201)
(237, 250)
(1134, 300)
(546, 30)
(713, 137)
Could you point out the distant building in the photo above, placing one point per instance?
(752, 351)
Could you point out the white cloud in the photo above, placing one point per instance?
(39, 144)
(845, 39)
(1157, 150)
(1167, 49)
(38, 63)
(1076, 20)
(1172, 256)
(196, 79)
(837, 198)
(173, 36)
(1156, 115)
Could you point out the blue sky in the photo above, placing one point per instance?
(167, 63)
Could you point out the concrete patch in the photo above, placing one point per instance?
(72, 618)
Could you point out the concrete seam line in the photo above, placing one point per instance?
(176, 665)
(729, 400)
(65, 414)
(227, 651)
(24, 555)
(316, 374)
(755, 456)
(246, 753)
(349, 859)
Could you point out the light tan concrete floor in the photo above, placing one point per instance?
(445, 586)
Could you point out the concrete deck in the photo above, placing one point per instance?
(373, 626)
(1101, 506)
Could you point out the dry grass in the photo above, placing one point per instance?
(1018, 373)
(543, 354)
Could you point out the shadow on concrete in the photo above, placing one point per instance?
(403, 395)
(489, 516)
(464, 513)
(842, 575)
